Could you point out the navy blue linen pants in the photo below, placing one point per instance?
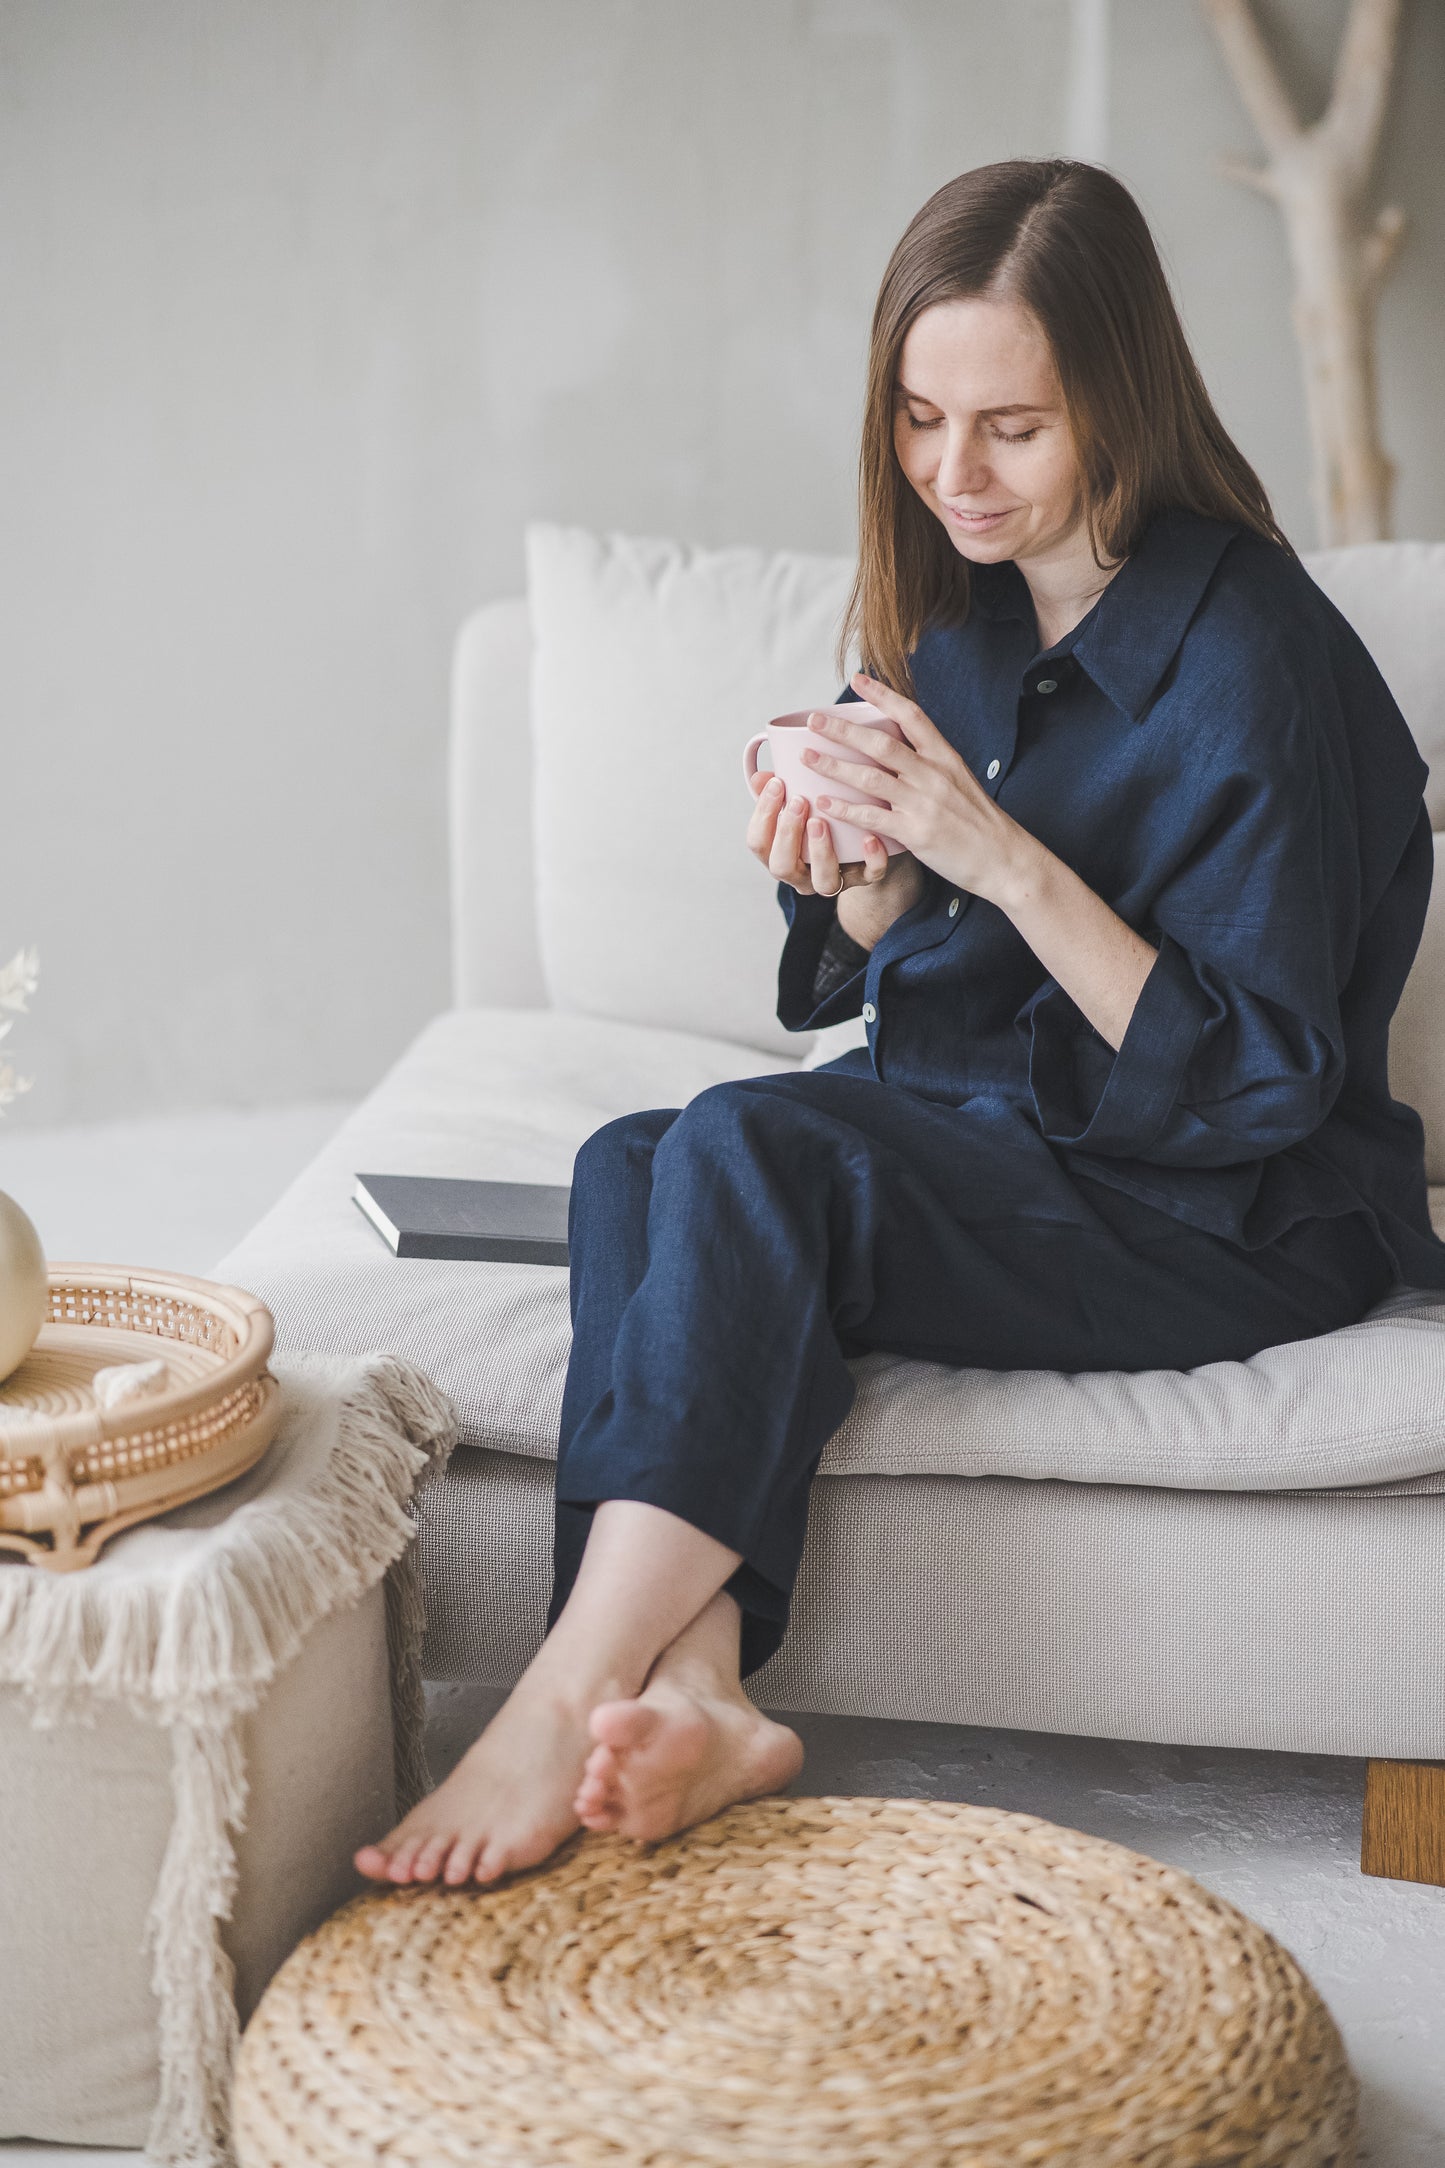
(726, 1256)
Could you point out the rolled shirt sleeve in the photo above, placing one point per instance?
(1235, 1048)
(1208, 1074)
(812, 936)
(812, 921)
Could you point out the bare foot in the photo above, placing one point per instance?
(677, 1754)
(507, 1804)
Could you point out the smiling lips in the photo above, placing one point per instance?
(976, 522)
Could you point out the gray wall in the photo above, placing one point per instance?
(306, 305)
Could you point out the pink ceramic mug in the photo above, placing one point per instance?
(786, 736)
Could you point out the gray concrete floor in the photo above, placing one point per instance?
(1276, 1834)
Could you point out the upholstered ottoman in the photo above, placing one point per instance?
(195, 1733)
(867, 1983)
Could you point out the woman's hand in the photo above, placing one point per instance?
(936, 806)
(948, 821)
(775, 835)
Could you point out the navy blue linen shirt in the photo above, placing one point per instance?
(1213, 750)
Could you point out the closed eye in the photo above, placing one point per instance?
(1004, 436)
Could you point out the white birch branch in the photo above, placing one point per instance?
(1339, 254)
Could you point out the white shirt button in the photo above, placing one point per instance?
(869, 1012)
(993, 768)
(953, 906)
(1048, 685)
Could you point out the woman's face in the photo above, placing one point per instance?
(980, 431)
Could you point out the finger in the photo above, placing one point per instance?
(785, 859)
(767, 799)
(841, 809)
(878, 780)
(875, 858)
(904, 711)
(880, 745)
(822, 858)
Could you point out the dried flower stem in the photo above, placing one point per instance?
(18, 981)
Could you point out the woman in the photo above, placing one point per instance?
(1127, 990)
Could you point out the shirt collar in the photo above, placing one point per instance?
(1134, 631)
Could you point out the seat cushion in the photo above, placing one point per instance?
(500, 1094)
(511, 1094)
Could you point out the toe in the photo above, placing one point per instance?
(372, 1861)
(599, 1778)
(624, 1725)
(460, 1860)
(400, 1864)
(428, 1862)
(605, 1816)
(598, 1804)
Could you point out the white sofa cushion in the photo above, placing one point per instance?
(652, 665)
(1393, 593)
(1417, 1030)
(512, 1094)
(502, 1094)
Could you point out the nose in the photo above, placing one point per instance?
(962, 468)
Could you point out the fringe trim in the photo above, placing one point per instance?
(193, 1977)
(195, 1651)
(202, 1645)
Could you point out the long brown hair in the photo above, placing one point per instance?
(1068, 241)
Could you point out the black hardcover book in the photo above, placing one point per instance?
(509, 1223)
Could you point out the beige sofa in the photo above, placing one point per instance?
(1249, 1554)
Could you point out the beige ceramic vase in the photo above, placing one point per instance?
(24, 1286)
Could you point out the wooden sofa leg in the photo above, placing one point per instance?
(1403, 1833)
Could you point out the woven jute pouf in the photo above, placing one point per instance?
(860, 1983)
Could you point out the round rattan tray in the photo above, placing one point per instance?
(73, 1474)
(801, 1983)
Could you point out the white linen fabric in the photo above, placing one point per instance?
(653, 664)
(510, 1095)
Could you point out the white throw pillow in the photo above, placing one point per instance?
(1417, 1031)
(653, 663)
(1393, 593)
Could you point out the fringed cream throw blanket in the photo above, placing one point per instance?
(183, 1628)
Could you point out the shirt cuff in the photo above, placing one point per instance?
(840, 958)
(811, 920)
(1116, 1103)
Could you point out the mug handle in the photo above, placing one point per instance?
(750, 756)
